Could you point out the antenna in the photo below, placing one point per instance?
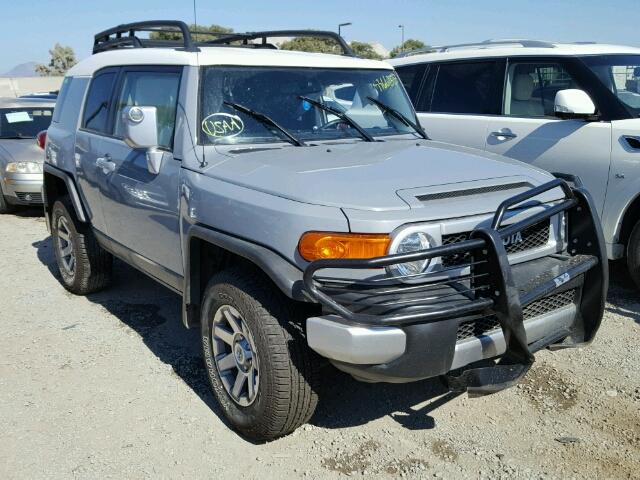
(195, 15)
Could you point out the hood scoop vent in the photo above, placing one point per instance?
(472, 191)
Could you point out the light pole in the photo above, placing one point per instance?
(342, 25)
(401, 27)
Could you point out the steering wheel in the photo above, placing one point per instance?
(335, 125)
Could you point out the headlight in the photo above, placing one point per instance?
(24, 167)
(409, 241)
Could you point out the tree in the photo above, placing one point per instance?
(312, 44)
(365, 50)
(409, 45)
(62, 59)
(177, 35)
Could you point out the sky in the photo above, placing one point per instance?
(29, 29)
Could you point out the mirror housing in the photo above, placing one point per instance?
(574, 103)
(141, 132)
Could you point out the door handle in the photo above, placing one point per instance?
(504, 134)
(633, 141)
(105, 164)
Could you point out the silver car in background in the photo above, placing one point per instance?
(21, 159)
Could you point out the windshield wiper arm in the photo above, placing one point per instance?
(342, 116)
(396, 114)
(265, 120)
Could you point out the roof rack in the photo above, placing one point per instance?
(124, 36)
(486, 43)
(263, 36)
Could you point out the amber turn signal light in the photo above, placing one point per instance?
(322, 245)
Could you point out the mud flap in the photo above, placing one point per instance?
(517, 359)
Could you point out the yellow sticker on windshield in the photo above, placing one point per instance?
(222, 125)
(385, 83)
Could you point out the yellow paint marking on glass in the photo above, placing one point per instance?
(385, 83)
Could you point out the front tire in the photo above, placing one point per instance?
(84, 266)
(261, 370)
(633, 254)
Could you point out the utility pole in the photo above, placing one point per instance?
(342, 25)
(401, 27)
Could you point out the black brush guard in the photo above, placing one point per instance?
(488, 289)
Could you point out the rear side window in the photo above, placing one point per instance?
(96, 108)
(62, 95)
(468, 87)
(151, 89)
(411, 77)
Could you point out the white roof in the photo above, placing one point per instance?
(504, 49)
(219, 56)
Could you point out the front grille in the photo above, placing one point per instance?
(30, 197)
(482, 326)
(531, 237)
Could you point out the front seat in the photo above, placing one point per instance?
(521, 102)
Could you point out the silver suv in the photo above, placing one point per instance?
(297, 225)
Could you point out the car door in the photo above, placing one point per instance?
(529, 131)
(141, 208)
(89, 143)
(457, 99)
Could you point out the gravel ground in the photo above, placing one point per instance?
(111, 386)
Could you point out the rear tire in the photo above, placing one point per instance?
(633, 254)
(286, 369)
(84, 266)
(5, 206)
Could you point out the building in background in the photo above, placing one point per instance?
(17, 86)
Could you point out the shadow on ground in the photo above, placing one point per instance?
(624, 297)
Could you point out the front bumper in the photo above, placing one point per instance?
(22, 188)
(387, 330)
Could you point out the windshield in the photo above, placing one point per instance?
(621, 75)
(24, 122)
(276, 92)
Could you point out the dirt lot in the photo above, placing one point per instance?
(111, 386)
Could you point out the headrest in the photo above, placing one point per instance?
(522, 87)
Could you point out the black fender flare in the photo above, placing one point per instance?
(71, 188)
(284, 274)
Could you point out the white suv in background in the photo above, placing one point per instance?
(566, 108)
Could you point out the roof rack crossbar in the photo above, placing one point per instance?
(263, 36)
(487, 43)
(114, 38)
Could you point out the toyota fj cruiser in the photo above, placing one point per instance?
(298, 226)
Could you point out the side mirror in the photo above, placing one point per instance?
(140, 126)
(574, 103)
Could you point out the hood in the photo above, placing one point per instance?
(21, 150)
(366, 176)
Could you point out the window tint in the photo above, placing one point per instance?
(151, 89)
(96, 108)
(62, 94)
(532, 87)
(467, 88)
(411, 77)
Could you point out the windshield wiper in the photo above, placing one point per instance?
(262, 118)
(396, 114)
(15, 137)
(342, 116)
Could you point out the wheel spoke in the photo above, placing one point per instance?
(72, 263)
(67, 250)
(241, 377)
(227, 362)
(233, 321)
(63, 235)
(251, 382)
(223, 334)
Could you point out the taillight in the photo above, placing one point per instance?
(41, 139)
